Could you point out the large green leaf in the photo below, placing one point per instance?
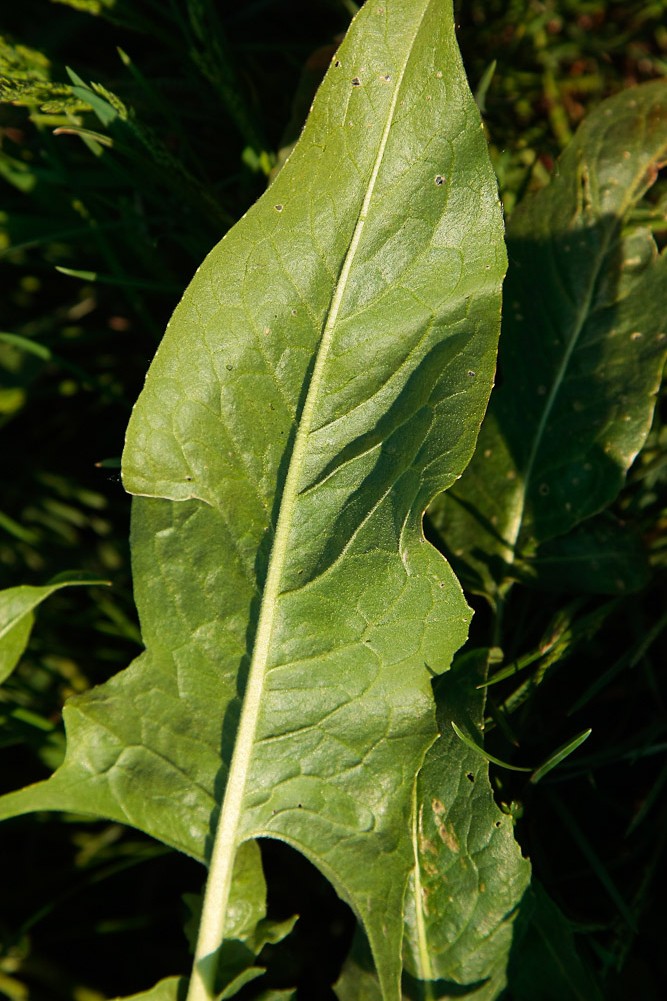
(323, 378)
(468, 878)
(582, 348)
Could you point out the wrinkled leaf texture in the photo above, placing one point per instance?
(469, 877)
(581, 356)
(468, 880)
(323, 378)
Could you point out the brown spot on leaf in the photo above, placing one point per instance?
(426, 846)
(449, 838)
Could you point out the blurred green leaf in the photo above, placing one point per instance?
(17, 605)
(94, 276)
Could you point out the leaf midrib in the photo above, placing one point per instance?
(218, 886)
(423, 952)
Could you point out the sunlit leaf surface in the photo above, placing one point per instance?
(323, 378)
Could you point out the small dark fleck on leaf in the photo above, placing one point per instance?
(471, 374)
(337, 64)
(356, 82)
(229, 367)
(498, 823)
(470, 776)
(439, 179)
(278, 208)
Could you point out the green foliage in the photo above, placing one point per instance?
(544, 953)
(17, 606)
(323, 378)
(469, 877)
(356, 379)
(583, 350)
(25, 80)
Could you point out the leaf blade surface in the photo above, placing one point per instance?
(469, 877)
(324, 376)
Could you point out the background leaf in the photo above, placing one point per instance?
(544, 953)
(169, 989)
(582, 350)
(600, 556)
(17, 606)
(323, 378)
